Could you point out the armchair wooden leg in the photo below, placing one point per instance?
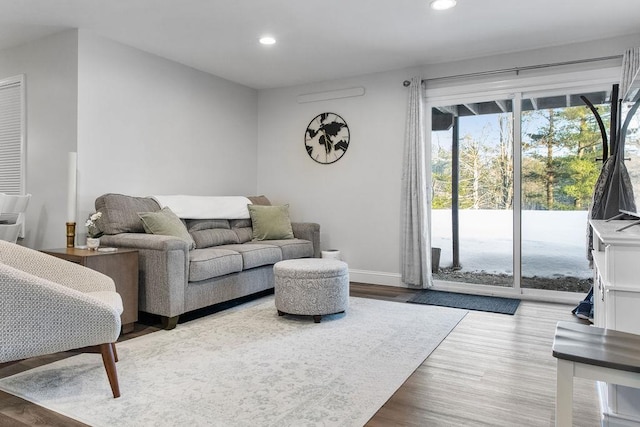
(108, 358)
(115, 353)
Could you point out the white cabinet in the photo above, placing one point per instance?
(616, 295)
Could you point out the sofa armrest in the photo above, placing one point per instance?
(308, 231)
(163, 270)
(144, 241)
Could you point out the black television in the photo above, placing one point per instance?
(629, 150)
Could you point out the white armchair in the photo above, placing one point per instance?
(51, 305)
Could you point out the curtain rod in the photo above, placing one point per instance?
(518, 69)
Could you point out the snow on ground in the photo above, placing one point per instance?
(553, 242)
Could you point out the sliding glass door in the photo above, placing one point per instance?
(561, 159)
(472, 205)
(512, 179)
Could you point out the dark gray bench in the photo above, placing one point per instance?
(593, 353)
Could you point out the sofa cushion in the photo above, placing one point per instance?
(270, 222)
(166, 223)
(242, 228)
(291, 248)
(205, 224)
(120, 212)
(213, 262)
(239, 223)
(256, 255)
(214, 237)
(245, 234)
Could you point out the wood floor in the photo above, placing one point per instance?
(492, 370)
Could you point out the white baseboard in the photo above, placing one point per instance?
(376, 278)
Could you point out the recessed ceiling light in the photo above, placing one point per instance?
(442, 4)
(267, 40)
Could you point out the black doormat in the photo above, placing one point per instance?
(469, 302)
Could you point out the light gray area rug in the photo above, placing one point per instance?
(248, 367)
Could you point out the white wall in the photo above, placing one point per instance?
(141, 125)
(50, 69)
(357, 200)
(147, 125)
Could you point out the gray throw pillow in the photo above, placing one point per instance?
(167, 223)
(120, 212)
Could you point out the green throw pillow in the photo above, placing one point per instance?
(167, 223)
(270, 222)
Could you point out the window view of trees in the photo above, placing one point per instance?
(559, 167)
(486, 168)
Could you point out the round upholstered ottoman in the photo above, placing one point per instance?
(311, 287)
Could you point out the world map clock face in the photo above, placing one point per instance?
(327, 138)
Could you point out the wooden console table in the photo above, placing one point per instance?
(121, 265)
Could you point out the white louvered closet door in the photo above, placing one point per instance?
(12, 156)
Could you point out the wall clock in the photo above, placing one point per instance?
(327, 138)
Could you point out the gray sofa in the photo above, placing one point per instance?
(226, 263)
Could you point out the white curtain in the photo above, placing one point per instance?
(630, 67)
(415, 210)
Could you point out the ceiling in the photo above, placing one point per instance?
(320, 40)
